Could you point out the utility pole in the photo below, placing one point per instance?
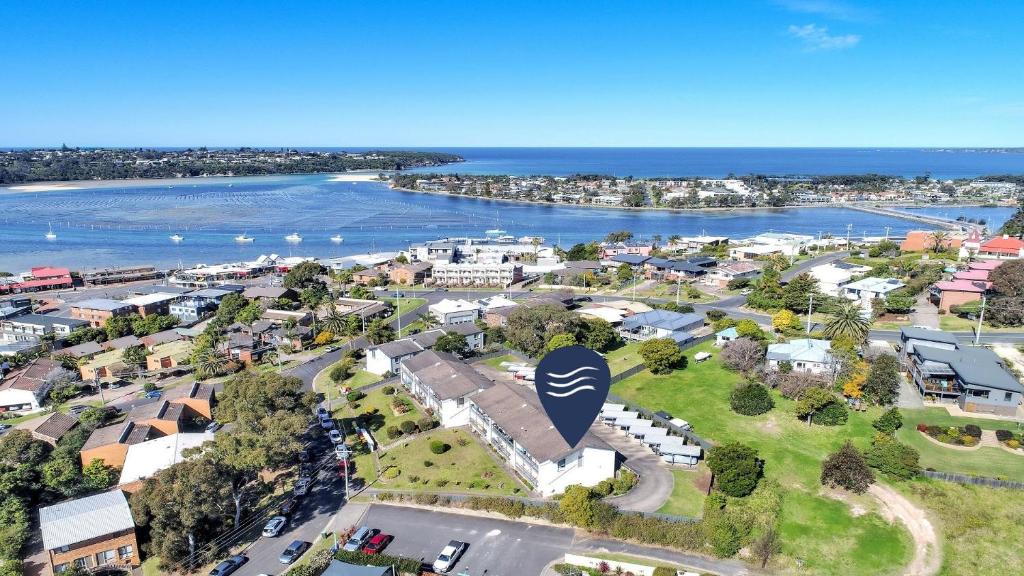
(810, 306)
(887, 228)
(981, 316)
(849, 227)
(679, 286)
(398, 302)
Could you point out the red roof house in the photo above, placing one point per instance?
(1003, 247)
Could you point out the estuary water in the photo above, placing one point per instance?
(120, 224)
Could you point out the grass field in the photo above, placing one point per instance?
(407, 305)
(466, 468)
(818, 530)
(624, 357)
(384, 417)
(981, 528)
(686, 498)
(497, 360)
(359, 379)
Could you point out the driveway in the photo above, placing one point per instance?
(925, 313)
(656, 480)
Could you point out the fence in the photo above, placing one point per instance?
(976, 480)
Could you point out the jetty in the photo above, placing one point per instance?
(935, 221)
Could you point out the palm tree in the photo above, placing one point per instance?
(427, 319)
(848, 320)
(272, 357)
(939, 239)
(208, 364)
(334, 322)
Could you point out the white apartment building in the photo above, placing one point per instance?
(477, 274)
(450, 311)
(443, 384)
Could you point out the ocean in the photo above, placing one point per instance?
(120, 225)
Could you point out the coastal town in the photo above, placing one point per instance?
(371, 413)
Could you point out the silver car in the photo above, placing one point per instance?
(275, 526)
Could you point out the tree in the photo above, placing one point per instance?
(893, 459)
(899, 303)
(848, 321)
(662, 355)
(784, 320)
(583, 252)
(743, 354)
(562, 340)
(1008, 278)
(207, 363)
(766, 545)
(736, 467)
(797, 292)
(751, 399)
(847, 468)
(748, 328)
(118, 326)
(250, 313)
(453, 343)
(14, 527)
(428, 320)
(334, 322)
(793, 385)
(304, 275)
(62, 473)
(530, 327)
(134, 355)
(889, 422)
(812, 401)
(98, 476)
(21, 457)
(577, 505)
(230, 306)
(834, 413)
(618, 236)
(378, 332)
(599, 335)
(939, 239)
(882, 385)
(624, 273)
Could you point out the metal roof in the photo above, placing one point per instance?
(83, 519)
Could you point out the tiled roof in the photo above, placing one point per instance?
(54, 426)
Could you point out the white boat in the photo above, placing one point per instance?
(177, 238)
(243, 239)
(337, 239)
(293, 237)
(495, 232)
(530, 239)
(49, 234)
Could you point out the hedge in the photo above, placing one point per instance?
(404, 565)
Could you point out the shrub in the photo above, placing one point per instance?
(968, 440)
(402, 565)
(441, 482)
(392, 473)
(393, 432)
(662, 355)
(664, 571)
(461, 440)
(425, 423)
(972, 430)
(833, 414)
(414, 478)
(407, 426)
(893, 459)
(388, 390)
(736, 467)
(428, 499)
(427, 463)
(934, 431)
(751, 399)
(355, 396)
(922, 428)
(1013, 443)
(1004, 435)
(438, 447)
(724, 538)
(847, 468)
(149, 386)
(889, 422)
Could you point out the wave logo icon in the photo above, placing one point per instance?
(572, 384)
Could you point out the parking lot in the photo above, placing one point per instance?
(499, 547)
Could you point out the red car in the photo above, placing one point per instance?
(377, 543)
(351, 468)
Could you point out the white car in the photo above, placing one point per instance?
(302, 486)
(342, 452)
(449, 556)
(274, 527)
(336, 436)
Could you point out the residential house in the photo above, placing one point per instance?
(54, 427)
(109, 444)
(97, 311)
(36, 327)
(388, 357)
(168, 355)
(163, 416)
(865, 290)
(633, 260)
(366, 310)
(270, 294)
(411, 273)
(83, 350)
(11, 307)
(442, 383)
(913, 336)
(723, 337)
(1001, 248)
(729, 271)
(25, 389)
(509, 418)
(156, 303)
(339, 568)
(661, 324)
(499, 274)
(613, 316)
(831, 278)
(949, 293)
(145, 459)
(692, 244)
(121, 343)
(755, 251)
(90, 532)
(975, 379)
(365, 277)
(673, 270)
(297, 338)
(198, 398)
(803, 355)
(165, 337)
(924, 240)
(104, 366)
(449, 311)
(190, 310)
(631, 246)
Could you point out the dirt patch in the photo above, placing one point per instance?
(927, 553)
(770, 426)
(855, 509)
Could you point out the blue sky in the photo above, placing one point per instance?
(771, 73)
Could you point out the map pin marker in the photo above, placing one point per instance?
(572, 384)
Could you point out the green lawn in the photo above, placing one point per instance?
(383, 417)
(686, 498)
(359, 379)
(980, 528)
(466, 468)
(985, 461)
(408, 305)
(954, 323)
(623, 358)
(497, 360)
(816, 529)
(668, 290)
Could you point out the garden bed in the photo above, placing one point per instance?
(968, 436)
(1011, 441)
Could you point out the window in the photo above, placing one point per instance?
(104, 557)
(561, 464)
(1008, 396)
(63, 549)
(61, 567)
(460, 402)
(82, 562)
(124, 551)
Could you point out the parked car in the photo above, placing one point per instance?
(4, 428)
(322, 412)
(449, 556)
(584, 299)
(305, 455)
(302, 486)
(228, 566)
(342, 451)
(293, 551)
(326, 423)
(331, 349)
(214, 426)
(288, 506)
(274, 527)
(336, 436)
(359, 539)
(77, 409)
(377, 543)
(342, 464)
(154, 394)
